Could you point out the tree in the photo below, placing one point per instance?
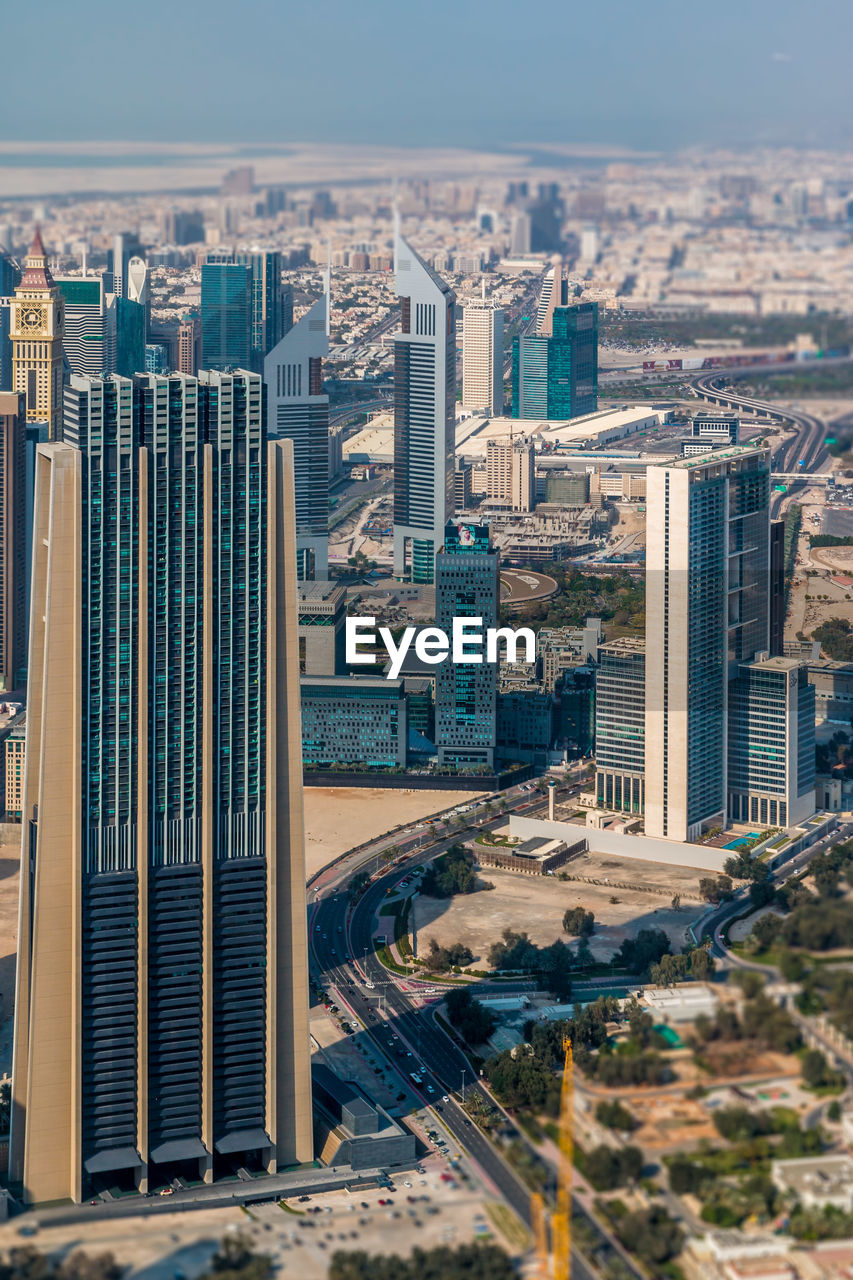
(579, 923)
(440, 959)
(610, 1167)
(615, 1116)
(766, 930)
(477, 1260)
(749, 981)
(474, 1022)
(762, 891)
(737, 1124)
(668, 970)
(236, 1260)
(702, 964)
(687, 1178)
(716, 889)
(451, 873)
(637, 954)
(650, 1233)
(817, 1073)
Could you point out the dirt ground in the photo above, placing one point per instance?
(338, 818)
(536, 904)
(671, 1122)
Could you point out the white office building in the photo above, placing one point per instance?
(298, 410)
(424, 414)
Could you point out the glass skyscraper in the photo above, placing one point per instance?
(161, 1011)
(226, 315)
(620, 724)
(466, 586)
(271, 304)
(707, 609)
(771, 764)
(555, 375)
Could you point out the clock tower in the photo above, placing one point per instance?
(36, 335)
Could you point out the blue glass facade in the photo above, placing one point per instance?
(556, 376)
(226, 315)
(466, 586)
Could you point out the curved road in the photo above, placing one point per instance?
(805, 452)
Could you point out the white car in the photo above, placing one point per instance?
(445, 1098)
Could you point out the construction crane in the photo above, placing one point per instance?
(561, 1220)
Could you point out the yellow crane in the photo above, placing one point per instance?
(561, 1220)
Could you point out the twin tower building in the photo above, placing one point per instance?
(161, 1016)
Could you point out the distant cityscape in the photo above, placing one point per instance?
(605, 399)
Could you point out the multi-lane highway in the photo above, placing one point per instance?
(802, 453)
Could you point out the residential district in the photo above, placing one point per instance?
(569, 984)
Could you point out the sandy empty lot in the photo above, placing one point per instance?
(338, 818)
(536, 905)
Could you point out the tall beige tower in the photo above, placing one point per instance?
(707, 611)
(36, 335)
(161, 1016)
(483, 356)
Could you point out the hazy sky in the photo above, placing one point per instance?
(647, 73)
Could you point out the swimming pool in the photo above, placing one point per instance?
(742, 840)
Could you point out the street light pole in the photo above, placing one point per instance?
(463, 1086)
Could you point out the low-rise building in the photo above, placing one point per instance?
(681, 1003)
(538, 856)
(823, 1182)
(351, 1130)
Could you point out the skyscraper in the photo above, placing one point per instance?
(36, 333)
(124, 335)
(9, 277)
(771, 754)
(126, 246)
(556, 376)
(138, 290)
(13, 539)
(424, 414)
(161, 1012)
(83, 341)
(620, 724)
(226, 315)
(272, 301)
(707, 611)
(298, 410)
(466, 586)
(189, 345)
(483, 356)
